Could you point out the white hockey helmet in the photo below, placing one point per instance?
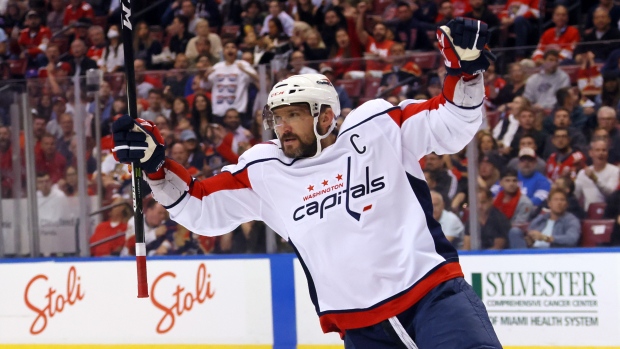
(314, 89)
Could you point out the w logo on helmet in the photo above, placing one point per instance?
(324, 82)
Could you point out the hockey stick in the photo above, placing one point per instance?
(143, 287)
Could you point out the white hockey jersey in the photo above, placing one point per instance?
(359, 215)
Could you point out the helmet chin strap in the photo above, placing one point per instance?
(321, 137)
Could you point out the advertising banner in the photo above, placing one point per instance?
(191, 301)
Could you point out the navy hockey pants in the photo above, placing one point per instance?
(451, 316)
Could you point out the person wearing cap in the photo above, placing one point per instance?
(75, 10)
(533, 184)
(516, 206)
(528, 141)
(33, 40)
(346, 105)
(189, 140)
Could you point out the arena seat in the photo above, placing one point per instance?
(596, 232)
(596, 210)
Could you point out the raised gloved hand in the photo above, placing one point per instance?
(463, 45)
(138, 140)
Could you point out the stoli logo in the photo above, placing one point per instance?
(181, 301)
(55, 303)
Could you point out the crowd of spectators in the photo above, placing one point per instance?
(548, 153)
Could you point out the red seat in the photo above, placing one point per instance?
(17, 66)
(101, 21)
(353, 87)
(595, 232)
(425, 60)
(372, 87)
(596, 210)
(572, 71)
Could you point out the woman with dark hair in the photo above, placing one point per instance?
(201, 116)
(112, 59)
(610, 96)
(144, 47)
(486, 143)
(345, 57)
(180, 110)
(281, 46)
(305, 11)
(44, 107)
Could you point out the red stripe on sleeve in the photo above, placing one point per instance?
(225, 149)
(400, 116)
(223, 181)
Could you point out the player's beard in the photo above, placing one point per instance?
(306, 147)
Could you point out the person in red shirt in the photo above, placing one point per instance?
(49, 160)
(562, 37)
(33, 40)
(565, 162)
(75, 10)
(113, 229)
(377, 46)
(96, 37)
(6, 162)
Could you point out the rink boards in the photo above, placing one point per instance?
(563, 299)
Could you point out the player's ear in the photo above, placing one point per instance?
(327, 116)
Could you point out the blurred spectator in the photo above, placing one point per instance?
(598, 181)
(33, 40)
(508, 124)
(314, 48)
(517, 207)
(446, 12)
(346, 56)
(533, 183)
(6, 162)
(65, 121)
(69, 183)
(494, 226)
(486, 143)
(346, 105)
(230, 80)
(493, 83)
(179, 153)
(75, 10)
(263, 52)
(275, 11)
(333, 21)
(49, 160)
(609, 7)
(299, 64)
(450, 223)
(562, 37)
(51, 201)
(481, 12)
(96, 36)
(112, 58)
(158, 242)
(5, 47)
(489, 171)
(569, 98)
(514, 87)
(568, 186)
(603, 31)
(52, 56)
(411, 30)
(376, 46)
(527, 141)
(114, 229)
(241, 137)
(561, 119)
(155, 99)
(80, 29)
(179, 36)
(201, 116)
(13, 19)
(180, 110)
(252, 17)
(79, 62)
(280, 42)
(558, 228)
(446, 180)
(612, 211)
(565, 161)
(143, 87)
(209, 10)
(526, 126)
(144, 46)
(203, 31)
(608, 121)
(105, 103)
(400, 71)
(177, 79)
(305, 11)
(196, 156)
(247, 238)
(188, 10)
(173, 9)
(541, 87)
(520, 17)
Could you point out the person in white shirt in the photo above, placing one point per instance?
(275, 10)
(230, 80)
(451, 224)
(298, 62)
(596, 182)
(156, 106)
(354, 206)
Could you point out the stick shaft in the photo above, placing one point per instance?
(130, 82)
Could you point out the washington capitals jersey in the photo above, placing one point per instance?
(359, 215)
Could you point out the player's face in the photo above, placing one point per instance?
(295, 129)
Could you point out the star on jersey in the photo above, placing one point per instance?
(310, 187)
(339, 177)
(325, 182)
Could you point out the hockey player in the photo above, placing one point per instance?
(354, 206)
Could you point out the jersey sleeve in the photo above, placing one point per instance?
(211, 207)
(444, 124)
